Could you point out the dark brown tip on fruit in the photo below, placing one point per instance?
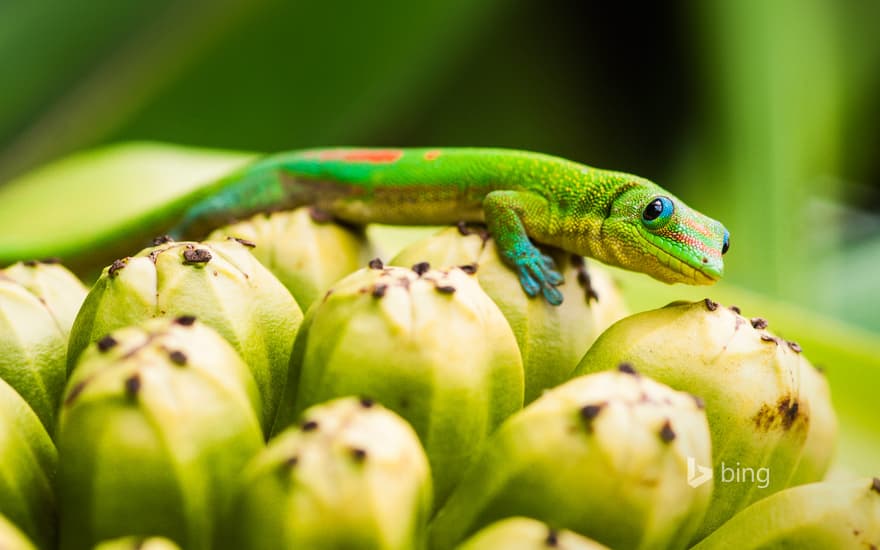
(667, 434)
(710, 305)
(185, 320)
(445, 289)
(627, 368)
(196, 256)
(421, 268)
(768, 338)
(577, 261)
(133, 385)
(376, 263)
(875, 485)
(470, 269)
(30, 263)
(698, 401)
(759, 323)
(359, 455)
(379, 290)
(177, 357)
(106, 343)
(244, 242)
(735, 309)
(291, 462)
(795, 347)
(319, 216)
(52, 260)
(162, 239)
(463, 229)
(309, 426)
(552, 539)
(366, 402)
(115, 267)
(590, 412)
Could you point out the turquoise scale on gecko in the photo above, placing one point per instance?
(617, 218)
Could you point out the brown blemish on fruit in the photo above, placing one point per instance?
(366, 402)
(576, 261)
(698, 401)
(359, 455)
(784, 414)
(795, 347)
(768, 338)
(463, 228)
(74, 392)
(376, 263)
(379, 290)
(875, 485)
(309, 426)
(552, 539)
(162, 239)
(244, 242)
(445, 289)
(590, 412)
(185, 320)
(735, 309)
(30, 263)
(177, 357)
(469, 269)
(627, 368)
(196, 256)
(667, 434)
(116, 266)
(291, 462)
(710, 305)
(133, 385)
(51, 260)
(759, 323)
(106, 343)
(421, 268)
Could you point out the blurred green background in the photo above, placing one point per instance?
(761, 114)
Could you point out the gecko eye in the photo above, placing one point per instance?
(725, 244)
(658, 213)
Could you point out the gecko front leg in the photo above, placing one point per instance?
(509, 215)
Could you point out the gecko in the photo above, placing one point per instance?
(522, 197)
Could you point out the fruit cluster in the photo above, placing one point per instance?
(186, 401)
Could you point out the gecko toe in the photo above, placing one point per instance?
(552, 295)
(530, 285)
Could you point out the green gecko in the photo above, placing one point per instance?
(617, 218)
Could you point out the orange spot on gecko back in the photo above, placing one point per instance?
(374, 156)
(432, 154)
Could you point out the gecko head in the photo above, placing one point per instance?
(675, 244)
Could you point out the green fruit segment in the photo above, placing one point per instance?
(551, 339)
(38, 302)
(11, 538)
(28, 462)
(817, 516)
(429, 345)
(819, 447)
(220, 283)
(155, 422)
(350, 475)
(750, 380)
(604, 455)
(306, 255)
(520, 533)
(138, 543)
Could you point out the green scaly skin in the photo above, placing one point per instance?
(519, 195)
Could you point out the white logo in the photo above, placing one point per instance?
(695, 480)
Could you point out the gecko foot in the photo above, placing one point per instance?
(537, 273)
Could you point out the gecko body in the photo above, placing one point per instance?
(617, 218)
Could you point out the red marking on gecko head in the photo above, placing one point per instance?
(374, 156)
(432, 154)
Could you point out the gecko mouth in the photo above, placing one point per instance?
(676, 270)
